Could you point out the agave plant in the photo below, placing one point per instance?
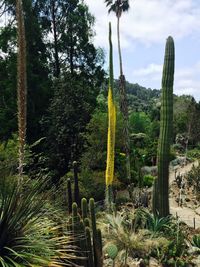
(153, 223)
(27, 236)
(196, 241)
(116, 231)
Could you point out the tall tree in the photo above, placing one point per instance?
(38, 78)
(118, 7)
(21, 83)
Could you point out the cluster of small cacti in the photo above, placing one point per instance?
(87, 237)
(76, 189)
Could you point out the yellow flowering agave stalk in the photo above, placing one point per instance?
(111, 129)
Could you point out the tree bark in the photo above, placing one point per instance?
(57, 63)
(21, 85)
(124, 106)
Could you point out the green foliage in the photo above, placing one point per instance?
(70, 110)
(196, 241)
(153, 223)
(194, 153)
(193, 179)
(139, 122)
(130, 243)
(148, 180)
(27, 234)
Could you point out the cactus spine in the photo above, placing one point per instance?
(166, 125)
(111, 130)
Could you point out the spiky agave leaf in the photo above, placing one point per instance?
(27, 236)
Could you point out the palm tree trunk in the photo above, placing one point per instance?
(21, 84)
(124, 107)
(119, 47)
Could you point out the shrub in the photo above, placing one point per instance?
(28, 237)
(148, 180)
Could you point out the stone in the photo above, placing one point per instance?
(153, 262)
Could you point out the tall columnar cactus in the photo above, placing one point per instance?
(111, 129)
(21, 84)
(166, 129)
(69, 190)
(90, 256)
(97, 242)
(76, 185)
(84, 208)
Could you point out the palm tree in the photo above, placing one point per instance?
(21, 83)
(118, 7)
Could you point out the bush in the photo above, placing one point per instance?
(194, 154)
(148, 180)
(29, 236)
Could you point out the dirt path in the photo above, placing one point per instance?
(185, 213)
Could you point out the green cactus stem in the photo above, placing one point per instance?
(76, 185)
(96, 242)
(69, 190)
(84, 208)
(166, 130)
(89, 248)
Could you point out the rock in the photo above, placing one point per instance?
(187, 199)
(196, 261)
(134, 262)
(153, 262)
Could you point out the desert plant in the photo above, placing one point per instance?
(111, 129)
(166, 124)
(28, 237)
(112, 251)
(118, 231)
(193, 179)
(196, 241)
(154, 223)
(76, 184)
(97, 243)
(118, 7)
(69, 191)
(86, 235)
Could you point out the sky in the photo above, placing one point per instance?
(144, 30)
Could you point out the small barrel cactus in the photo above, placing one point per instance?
(112, 251)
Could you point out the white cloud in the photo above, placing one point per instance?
(186, 80)
(149, 70)
(149, 21)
